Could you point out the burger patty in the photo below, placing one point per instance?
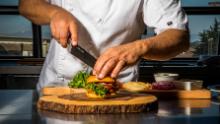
(109, 86)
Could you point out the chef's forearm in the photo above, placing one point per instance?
(38, 11)
(166, 45)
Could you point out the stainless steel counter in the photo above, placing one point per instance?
(19, 107)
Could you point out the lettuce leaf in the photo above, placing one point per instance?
(79, 80)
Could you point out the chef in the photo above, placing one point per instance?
(111, 31)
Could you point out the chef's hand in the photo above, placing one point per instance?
(114, 59)
(63, 27)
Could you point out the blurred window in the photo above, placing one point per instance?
(46, 36)
(9, 2)
(15, 36)
(16, 32)
(204, 35)
(200, 3)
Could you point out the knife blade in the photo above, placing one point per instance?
(82, 54)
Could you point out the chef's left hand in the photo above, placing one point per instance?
(114, 59)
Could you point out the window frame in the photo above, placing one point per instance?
(36, 32)
(37, 36)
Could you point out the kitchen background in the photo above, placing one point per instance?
(24, 45)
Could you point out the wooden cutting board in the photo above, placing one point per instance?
(68, 100)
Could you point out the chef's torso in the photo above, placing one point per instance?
(103, 24)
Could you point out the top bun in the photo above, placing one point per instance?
(94, 79)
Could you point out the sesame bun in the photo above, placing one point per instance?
(94, 79)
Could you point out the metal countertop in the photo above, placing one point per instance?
(19, 107)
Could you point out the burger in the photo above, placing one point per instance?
(101, 88)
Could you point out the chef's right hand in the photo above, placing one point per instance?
(64, 27)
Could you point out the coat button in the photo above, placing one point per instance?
(169, 23)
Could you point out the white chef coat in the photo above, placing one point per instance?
(107, 23)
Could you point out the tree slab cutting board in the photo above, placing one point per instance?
(76, 101)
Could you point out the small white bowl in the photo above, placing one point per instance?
(165, 77)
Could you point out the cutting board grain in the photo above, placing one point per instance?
(78, 102)
(48, 91)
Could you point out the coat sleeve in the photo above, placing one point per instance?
(164, 14)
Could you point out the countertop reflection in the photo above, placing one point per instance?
(19, 107)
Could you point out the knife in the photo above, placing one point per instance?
(82, 54)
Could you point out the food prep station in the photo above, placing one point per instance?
(199, 104)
